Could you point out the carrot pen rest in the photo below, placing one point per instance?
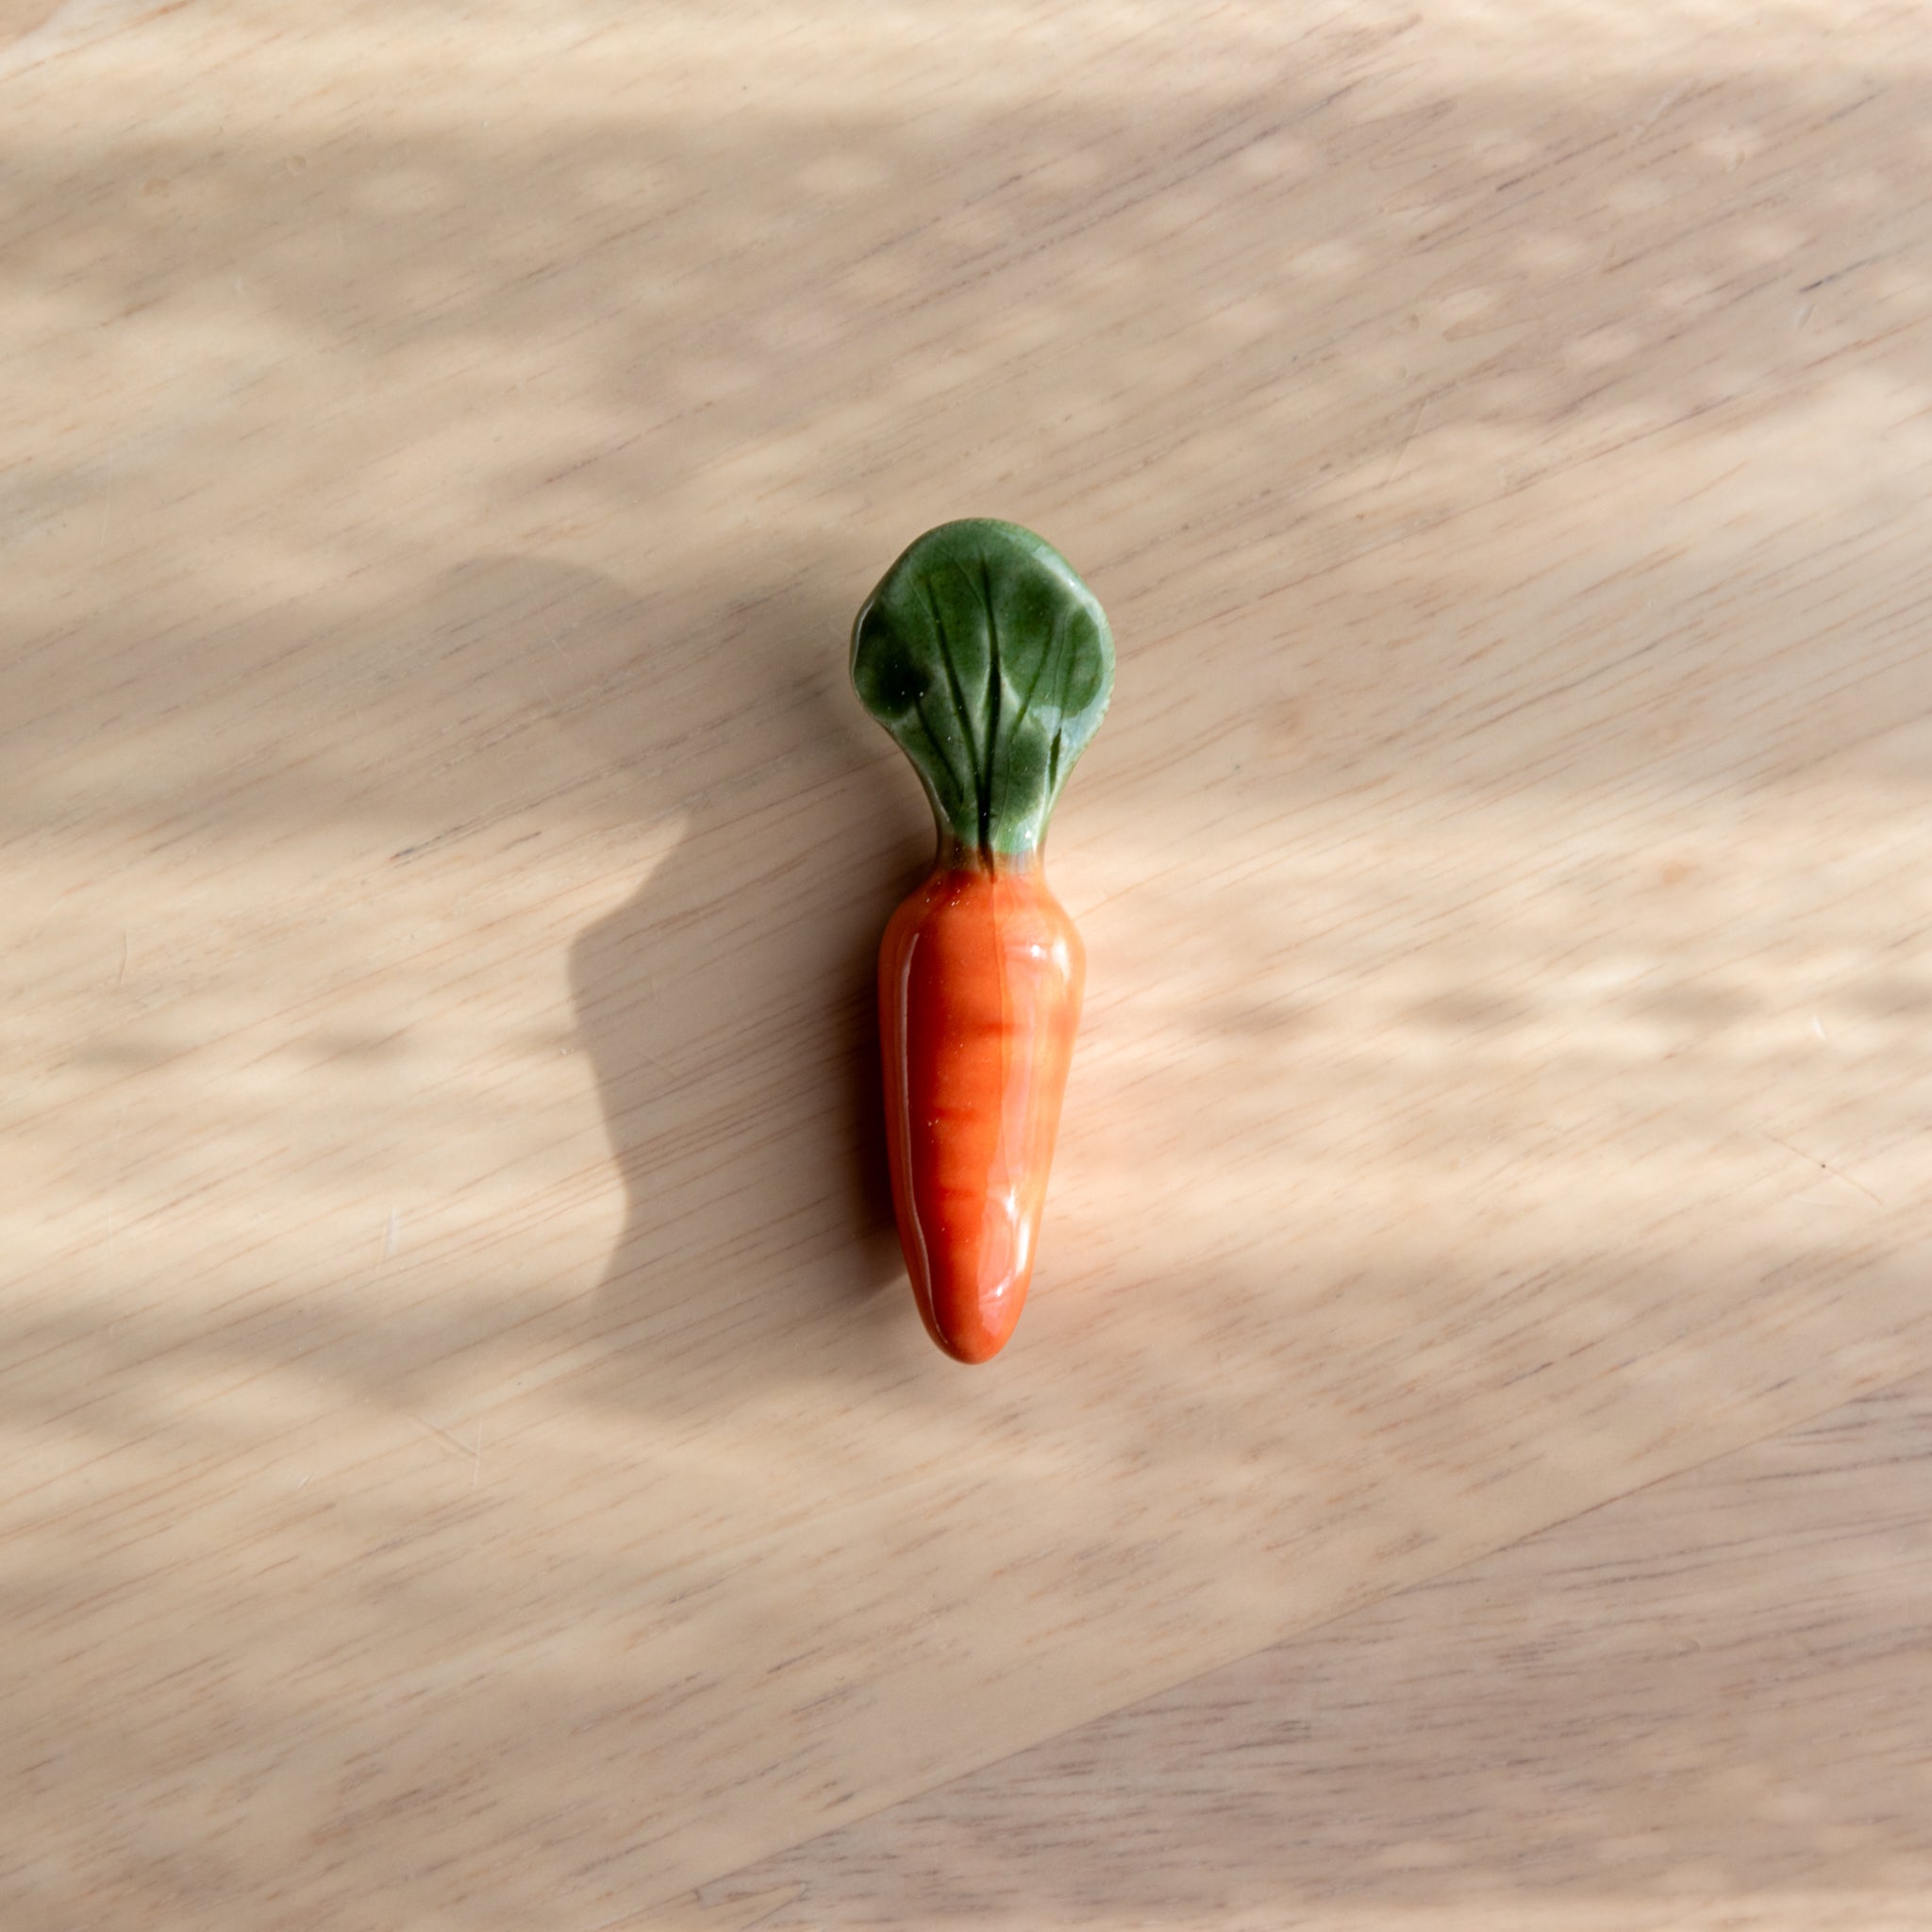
(990, 663)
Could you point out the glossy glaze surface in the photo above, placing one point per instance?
(990, 663)
(980, 976)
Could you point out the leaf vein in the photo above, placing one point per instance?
(994, 764)
(940, 751)
(939, 625)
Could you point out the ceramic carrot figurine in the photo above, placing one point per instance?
(990, 663)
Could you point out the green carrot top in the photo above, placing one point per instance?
(990, 663)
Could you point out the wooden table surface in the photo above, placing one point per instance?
(470, 1458)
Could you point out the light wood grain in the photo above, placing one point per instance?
(1702, 1705)
(470, 1461)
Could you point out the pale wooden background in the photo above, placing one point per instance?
(470, 1460)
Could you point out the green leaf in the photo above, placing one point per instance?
(991, 663)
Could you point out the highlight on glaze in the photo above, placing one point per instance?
(990, 663)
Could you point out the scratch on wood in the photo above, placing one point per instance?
(1658, 113)
(456, 1442)
(1826, 1165)
(1402, 448)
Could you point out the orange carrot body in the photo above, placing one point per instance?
(980, 975)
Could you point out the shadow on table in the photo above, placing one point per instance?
(727, 1007)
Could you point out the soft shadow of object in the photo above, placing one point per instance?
(727, 1007)
(700, 1061)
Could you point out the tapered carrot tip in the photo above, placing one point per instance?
(991, 664)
